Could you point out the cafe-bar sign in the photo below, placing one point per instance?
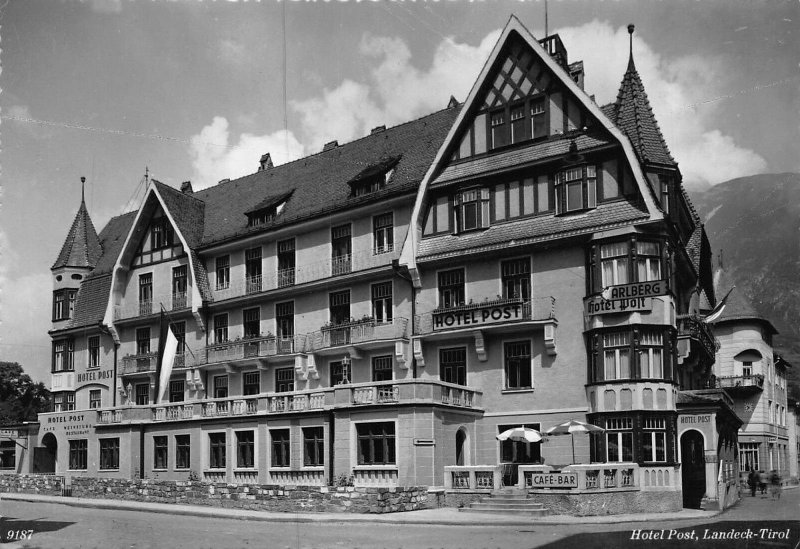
(626, 298)
(477, 316)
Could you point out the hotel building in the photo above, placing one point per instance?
(383, 309)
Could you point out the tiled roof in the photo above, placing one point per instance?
(186, 210)
(91, 301)
(81, 247)
(112, 237)
(738, 306)
(533, 229)
(320, 181)
(693, 247)
(517, 158)
(633, 114)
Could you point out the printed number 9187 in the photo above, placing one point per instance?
(19, 534)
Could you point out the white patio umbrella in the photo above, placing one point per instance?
(571, 427)
(521, 434)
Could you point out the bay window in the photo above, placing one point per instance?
(637, 352)
(617, 355)
(651, 354)
(625, 262)
(619, 439)
(654, 440)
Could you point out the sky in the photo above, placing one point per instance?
(199, 91)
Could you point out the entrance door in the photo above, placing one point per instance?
(694, 469)
(44, 457)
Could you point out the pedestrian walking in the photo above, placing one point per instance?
(762, 482)
(775, 485)
(752, 481)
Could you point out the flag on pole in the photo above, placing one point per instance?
(716, 312)
(167, 348)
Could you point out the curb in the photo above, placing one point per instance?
(386, 518)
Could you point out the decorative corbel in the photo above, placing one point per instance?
(418, 356)
(300, 364)
(400, 354)
(480, 345)
(550, 338)
(311, 367)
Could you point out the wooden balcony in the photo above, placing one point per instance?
(307, 272)
(360, 333)
(702, 342)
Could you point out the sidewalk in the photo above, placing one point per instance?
(444, 516)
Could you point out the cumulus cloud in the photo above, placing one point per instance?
(214, 159)
(675, 88)
(393, 89)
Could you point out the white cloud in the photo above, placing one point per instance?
(213, 159)
(393, 90)
(107, 6)
(231, 51)
(704, 154)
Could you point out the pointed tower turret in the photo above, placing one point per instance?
(634, 115)
(77, 258)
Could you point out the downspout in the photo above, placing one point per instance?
(141, 450)
(114, 388)
(331, 445)
(403, 273)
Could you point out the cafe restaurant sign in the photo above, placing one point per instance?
(554, 480)
(70, 423)
(477, 315)
(626, 298)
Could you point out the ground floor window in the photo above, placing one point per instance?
(245, 449)
(77, 454)
(513, 451)
(182, 451)
(160, 452)
(313, 447)
(654, 439)
(109, 453)
(619, 439)
(748, 456)
(280, 447)
(517, 358)
(376, 443)
(216, 446)
(8, 454)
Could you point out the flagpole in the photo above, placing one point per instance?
(171, 322)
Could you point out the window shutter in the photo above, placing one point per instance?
(484, 207)
(591, 189)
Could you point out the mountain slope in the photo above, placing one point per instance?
(753, 224)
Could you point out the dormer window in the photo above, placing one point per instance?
(576, 189)
(374, 178)
(161, 234)
(472, 209)
(267, 211)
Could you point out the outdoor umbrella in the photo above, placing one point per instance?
(571, 427)
(521, 434)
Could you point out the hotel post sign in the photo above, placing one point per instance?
(478, 315)
(626, 298)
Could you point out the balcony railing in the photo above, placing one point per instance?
(180, 301)
(231, 351)
(358, 332)
(307, 272)
(133, 310)
(133, 364)
(486, 313)
(746, 383)
(695, 328)
(386, 393)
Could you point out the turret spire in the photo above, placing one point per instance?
(82, 246)
(631, 28)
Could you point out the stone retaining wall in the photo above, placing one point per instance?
(49, 485)
(255, 497)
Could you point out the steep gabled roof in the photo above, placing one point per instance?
(186, 210)
(82, 246)
(633, 114)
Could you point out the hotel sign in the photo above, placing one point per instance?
(626, 298)
(477, 316)
(554, 480)
(70, 424)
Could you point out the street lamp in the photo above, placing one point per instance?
(346, 369)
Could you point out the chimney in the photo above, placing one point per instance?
(330, 145)
(378, 129)
(186, 187)
(226, 180)
(265, 163)
(453, 102)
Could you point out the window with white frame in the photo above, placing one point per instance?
(576, 189)
(472, 209)
(93, 344)
(651, 354)
(223, 270)
(747, 368)
(616, 355)
(654, 439)
(614, 263)
(382, 302)
(383, 233)
(648, 261)
(619, 439)
(748, 456)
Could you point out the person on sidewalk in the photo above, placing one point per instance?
(752, 481)
(763, 478)
(775, 485)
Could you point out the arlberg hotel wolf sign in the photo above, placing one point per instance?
(626, 298)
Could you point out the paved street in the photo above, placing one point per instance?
(57, 526)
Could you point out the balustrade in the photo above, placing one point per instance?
(358, 332)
